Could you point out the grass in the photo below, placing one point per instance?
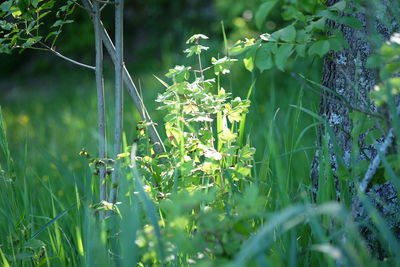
(47, 190)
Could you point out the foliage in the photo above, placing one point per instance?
(305, 35)
(209, 200)
(198, 186)
(386, 60)
(22, 23)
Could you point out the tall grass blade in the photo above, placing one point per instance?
(149, 205)
(281, 223)
(47, 225)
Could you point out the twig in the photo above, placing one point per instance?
(79, 5)
(209, 67)
(377, 160)
(66, 58)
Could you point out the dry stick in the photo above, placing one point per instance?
(100, 104)
(118, 66)
(131, 87)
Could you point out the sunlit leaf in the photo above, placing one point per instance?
(282, 55)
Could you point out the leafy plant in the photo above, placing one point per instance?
(204, 181)
(22, 23)
(306, 35)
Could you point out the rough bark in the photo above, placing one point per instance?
(346, 74)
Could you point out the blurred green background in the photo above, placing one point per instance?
(50, 105)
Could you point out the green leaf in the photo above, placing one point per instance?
(61, 22)
(302, 36)
(222, 65)
(242, 46)
(263, 59)
(319, 48)
(351, 22)
(287, 34)
(337, 41)
(52, 34)
(34, 3)
(247, 152)
(339, 6)
(227, 135)
(263, 11)
(31, 41)
(6, 6)
(179, 73)
(6, 25)
(195, 38)
(16, 13)
(301, 50)
(292, 12)
(282, 55)
(195, 50)
(316, 25)
(372, 136)
(249, 59)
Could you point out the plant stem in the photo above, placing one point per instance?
(100, 104)
(201, 71)
(118, 68)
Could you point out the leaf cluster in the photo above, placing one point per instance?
(305, 35)
(23, 25)
(202, 185)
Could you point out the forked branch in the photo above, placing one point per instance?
(130, 85)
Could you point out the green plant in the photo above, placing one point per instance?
(307, 34)
(204, 181)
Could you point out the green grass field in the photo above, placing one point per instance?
(48, 191)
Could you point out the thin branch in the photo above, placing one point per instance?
(100, 105)
(118, 66)
(130, 86)
(66, 58)
(105, 2)
(382, 151)
(205, 69)
(79, 5)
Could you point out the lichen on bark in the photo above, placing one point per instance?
(345, 73)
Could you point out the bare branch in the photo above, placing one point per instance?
(377, 160)
(66, 58)
(130, 86)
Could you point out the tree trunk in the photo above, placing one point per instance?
(345, 73)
